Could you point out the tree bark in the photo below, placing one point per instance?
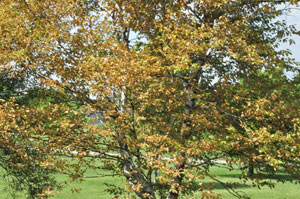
(250, 169)
(174, 191)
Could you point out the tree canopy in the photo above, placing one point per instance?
(181, 84)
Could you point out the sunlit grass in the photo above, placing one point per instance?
(93, 187)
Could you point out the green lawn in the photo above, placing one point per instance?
(287, 190)
(93, 188)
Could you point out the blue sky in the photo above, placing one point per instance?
(293, 18)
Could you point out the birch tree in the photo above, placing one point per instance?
(187, 91)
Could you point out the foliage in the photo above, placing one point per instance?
(11, 84)
(203, 82)
(27, 167)
(32, 139)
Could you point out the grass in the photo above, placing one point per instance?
(94, 188)
(285, 190)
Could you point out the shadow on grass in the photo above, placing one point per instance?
(217, 185)
(284, 177)
(230, 175)
(278, 176)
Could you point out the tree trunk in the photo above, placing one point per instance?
(250, 169)
(136, 178)
(174, 191)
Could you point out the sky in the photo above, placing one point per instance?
(293, 18)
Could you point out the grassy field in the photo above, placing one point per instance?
(93, 188)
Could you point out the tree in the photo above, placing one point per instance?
(9, 85)
(179, 98)
(28, 132)
(32, 139)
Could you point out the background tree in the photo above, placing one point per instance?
(34, 146)
(28, 133)
(179, 98)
